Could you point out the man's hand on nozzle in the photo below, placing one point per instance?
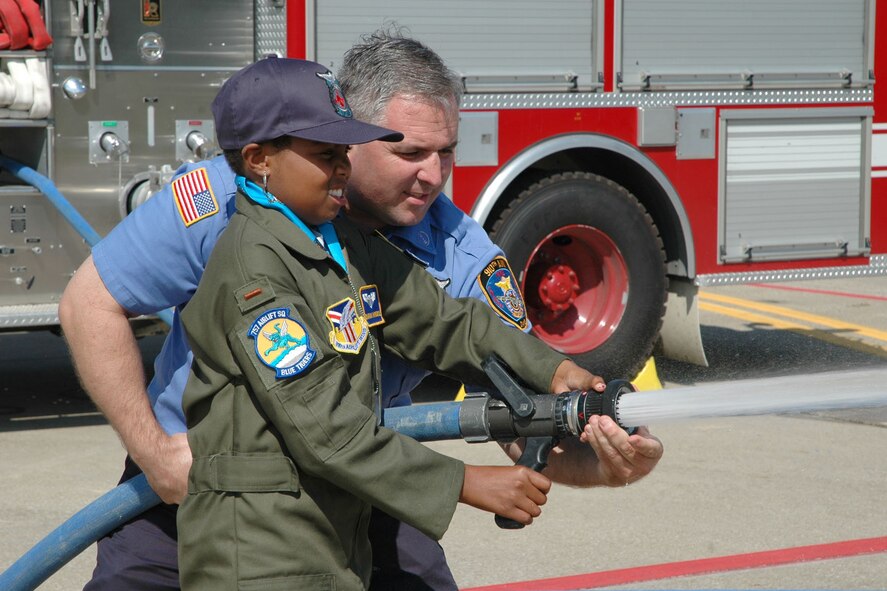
(568, 377)
(166, 467)
(515, 492)
(621, 458)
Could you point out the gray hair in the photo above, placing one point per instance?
(385, 64)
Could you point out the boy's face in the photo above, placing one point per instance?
(309, 177)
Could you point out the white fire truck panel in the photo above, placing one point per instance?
(794, 184)
(709, 43)
(498, 46)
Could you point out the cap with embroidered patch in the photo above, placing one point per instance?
(277, 97)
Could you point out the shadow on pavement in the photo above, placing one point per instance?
(38, 386)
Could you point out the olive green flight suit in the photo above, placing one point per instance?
(288, 454)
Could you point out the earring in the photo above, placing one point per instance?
(268, 196)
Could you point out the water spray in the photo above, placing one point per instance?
(789, 394)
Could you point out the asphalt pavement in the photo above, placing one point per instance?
(749, 501)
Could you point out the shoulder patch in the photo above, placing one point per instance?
(194, 196)
(372, 307)
(282, 342)
(502, 292)
(350, 329)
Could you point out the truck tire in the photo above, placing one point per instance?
(591, 265)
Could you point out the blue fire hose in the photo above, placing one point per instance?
(46, 186)
(424, 422)
(64, 207)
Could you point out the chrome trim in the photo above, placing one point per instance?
(663, 99)
(75, 68)
(29, 315)
(877, 267)
(270, 28)
(861, 112)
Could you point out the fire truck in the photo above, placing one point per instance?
(624, 153)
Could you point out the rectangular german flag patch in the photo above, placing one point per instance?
(194, 196)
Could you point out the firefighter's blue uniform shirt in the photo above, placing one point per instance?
(169, 242)
(455, 250)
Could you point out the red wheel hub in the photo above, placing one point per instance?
(558, 288)
(576, 285)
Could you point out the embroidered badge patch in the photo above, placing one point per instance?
(372, 307)
(282, 342)
(498, 284)
(194, 196)
(337, 98)
(350, 330)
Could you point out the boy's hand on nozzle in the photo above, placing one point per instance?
(515, 492)
(568, 377)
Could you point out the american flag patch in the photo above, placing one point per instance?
(194, 196)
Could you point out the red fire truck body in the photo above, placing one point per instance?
(624, 153)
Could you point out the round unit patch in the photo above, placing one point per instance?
(282, 343)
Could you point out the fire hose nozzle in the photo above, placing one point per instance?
(605, 403)
(494, 416)
(543, 419)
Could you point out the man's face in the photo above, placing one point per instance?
(394, 184)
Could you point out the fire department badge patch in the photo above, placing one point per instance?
(372, 307)
(194, 196)
(350, 330)
(501, 290)
(282, 343)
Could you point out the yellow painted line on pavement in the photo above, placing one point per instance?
(791, 323)
(859, 329)
(752, 317)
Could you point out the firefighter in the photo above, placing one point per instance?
(155, 258)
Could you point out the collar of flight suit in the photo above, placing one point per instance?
(281, 228)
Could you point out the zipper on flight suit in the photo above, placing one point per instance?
(375, 353)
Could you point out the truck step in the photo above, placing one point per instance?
(28, 316)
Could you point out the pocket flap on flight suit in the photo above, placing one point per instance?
(317, 582)
(243, 473)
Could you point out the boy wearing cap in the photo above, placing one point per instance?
(288, 454)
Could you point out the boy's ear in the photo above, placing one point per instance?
(255, 158)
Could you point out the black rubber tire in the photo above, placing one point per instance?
(572, 198)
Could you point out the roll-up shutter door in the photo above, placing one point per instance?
(794, 185)
(669, 44)
(520, 45)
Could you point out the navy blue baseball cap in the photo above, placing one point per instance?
(277, 97)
